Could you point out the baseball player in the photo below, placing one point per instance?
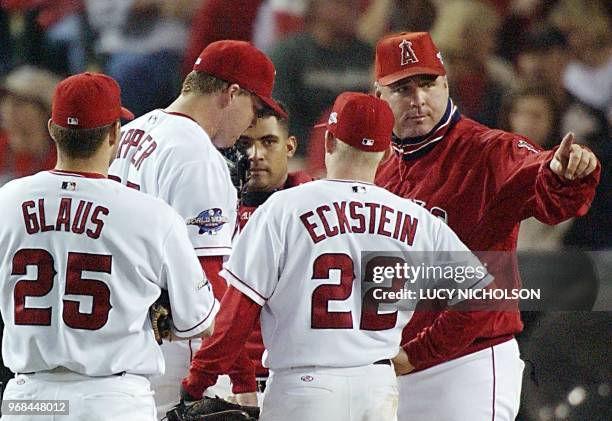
(482, 183)
(296, 266)
(171, 154)
(83, 259)
(268, 146)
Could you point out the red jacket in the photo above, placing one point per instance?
(483, 183)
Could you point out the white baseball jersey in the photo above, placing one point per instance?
(82, 259)
(168, 155)
(300, 258)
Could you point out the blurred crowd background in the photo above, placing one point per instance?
(539, 68)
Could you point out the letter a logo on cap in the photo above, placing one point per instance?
(408, 55)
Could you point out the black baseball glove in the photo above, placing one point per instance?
(237, 161)
(212, 409)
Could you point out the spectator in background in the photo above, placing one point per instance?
(544, 61)
(53, 36)
(141, 43)
(313, 67)
(288, 17)
(588, 27)
(533, 113)
(216, 20)
(520, 17)
(25, 108)
(384, 16)
(465, 31)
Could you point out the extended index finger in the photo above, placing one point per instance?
(566, 145)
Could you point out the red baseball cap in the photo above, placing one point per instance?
(86, 101)
(407, 54)
(240, 62)
(362, 121)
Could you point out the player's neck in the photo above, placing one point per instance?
(97, 165)
(347, 173)
(200, 108)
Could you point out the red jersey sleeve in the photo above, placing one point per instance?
(451, 332)
(524, 186)
(242, 372)
(212, 265)
(218, 354)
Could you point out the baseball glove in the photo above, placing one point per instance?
(161, 317)
(237, 161)
(212, 409)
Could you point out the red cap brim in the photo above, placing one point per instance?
(274, 106)
(412, 71)
(126, 114)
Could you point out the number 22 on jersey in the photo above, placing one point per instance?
(371, 319)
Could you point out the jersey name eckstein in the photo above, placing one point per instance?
(360, 218)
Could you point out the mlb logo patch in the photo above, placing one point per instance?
(333, 118)
(69, 185)
(367, 142)
(359, 189)
(73, 121)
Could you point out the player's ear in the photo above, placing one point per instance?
(233, 91)
(377, 91)
(114, 133)
(292, 144)
(330, 142)
(228, 95)
(49, 123)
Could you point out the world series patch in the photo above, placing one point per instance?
(210, 221)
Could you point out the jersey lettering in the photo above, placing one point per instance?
(329, 221)
(35, 217)
(135, 138)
